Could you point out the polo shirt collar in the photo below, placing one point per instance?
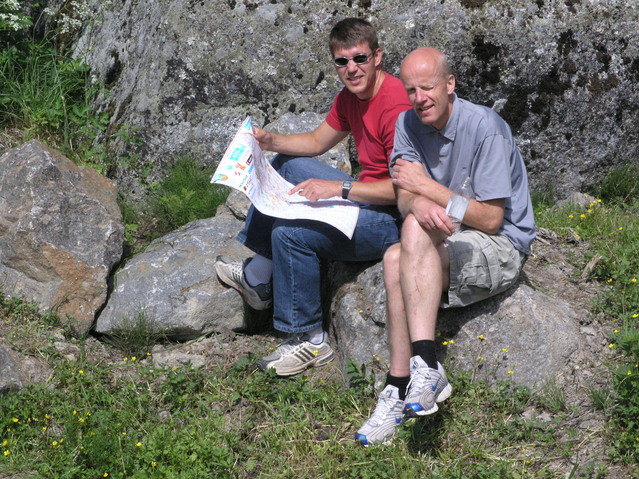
(450, 128)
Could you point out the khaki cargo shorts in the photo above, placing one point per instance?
(481, 266)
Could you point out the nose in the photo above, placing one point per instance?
(420, 95)
(351, 66)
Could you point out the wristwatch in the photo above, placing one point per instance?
(346, 189)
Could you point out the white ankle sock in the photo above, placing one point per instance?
(259, 270)
(316, 336)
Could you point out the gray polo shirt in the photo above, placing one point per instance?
(475, 142)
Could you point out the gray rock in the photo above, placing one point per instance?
(61, 232)
(173, 284)
(540, 333)
(186, 73)
(9, 377)
(18, 370)
(337, 157)
(528, 337)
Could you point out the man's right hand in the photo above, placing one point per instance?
(264, 138)
(431, 216)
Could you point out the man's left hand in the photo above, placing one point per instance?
(314, 189)
(410, 176)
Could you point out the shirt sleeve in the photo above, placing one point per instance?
(403, 147)
(335, 118)
(491, 173)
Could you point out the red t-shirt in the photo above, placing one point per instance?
(372, 123)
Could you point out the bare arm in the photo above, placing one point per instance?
(427, 200)
(314, 143)
(372, 192)
(319, 141)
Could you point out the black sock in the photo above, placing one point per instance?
(399, 383)
(426, 350)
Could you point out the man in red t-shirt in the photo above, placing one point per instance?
(285, 271)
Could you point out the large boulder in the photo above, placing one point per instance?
(61, 232)
(185, 74)
(514, 328)
(172, 287)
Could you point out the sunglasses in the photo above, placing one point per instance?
(360, 59)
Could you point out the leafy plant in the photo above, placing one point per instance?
(48, 96)
(185, 195)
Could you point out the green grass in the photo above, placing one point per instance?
(47, 96)
(611, 230)
(133, 419)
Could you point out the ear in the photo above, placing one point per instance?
(450, 84)
(378, 57)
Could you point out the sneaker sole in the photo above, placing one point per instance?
(416, 409)
(318, 361)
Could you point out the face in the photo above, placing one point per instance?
(429, 89)
(361, 80)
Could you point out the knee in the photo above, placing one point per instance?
(292, 168)
(390, 264)
(414, 238)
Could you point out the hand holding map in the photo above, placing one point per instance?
(245, 168)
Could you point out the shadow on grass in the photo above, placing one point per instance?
(424, 435)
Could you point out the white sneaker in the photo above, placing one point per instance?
(297, 354)
(258, 297)
(380, 427)
(427, 387)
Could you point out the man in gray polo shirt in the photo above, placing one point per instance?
(438, 144)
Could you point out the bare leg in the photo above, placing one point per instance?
(400, 348)
(423, 275)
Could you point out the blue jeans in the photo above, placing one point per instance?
(296, 246)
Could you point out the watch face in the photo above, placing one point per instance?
(346, 187)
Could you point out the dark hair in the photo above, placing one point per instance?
(351, 32)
